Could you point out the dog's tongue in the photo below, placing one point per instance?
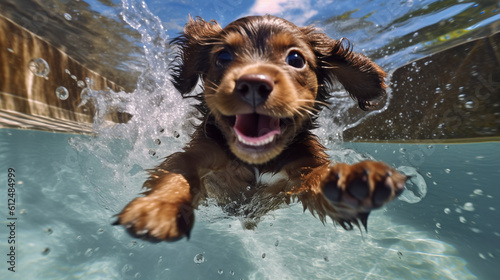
(255, 129)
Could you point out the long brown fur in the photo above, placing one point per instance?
(264, 81)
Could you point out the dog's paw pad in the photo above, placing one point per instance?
(363, 186)
(156, 220)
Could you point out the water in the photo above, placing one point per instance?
(69, 187)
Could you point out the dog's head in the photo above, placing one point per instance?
(265, 78)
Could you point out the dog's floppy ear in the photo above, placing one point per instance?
(362, 78)
(194, 53)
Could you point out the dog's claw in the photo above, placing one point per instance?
(355, 190)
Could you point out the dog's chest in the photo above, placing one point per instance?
(242, 184)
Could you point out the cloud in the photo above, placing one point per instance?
(297, 11)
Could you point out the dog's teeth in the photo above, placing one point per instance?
(257, 143)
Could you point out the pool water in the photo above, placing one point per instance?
(69, 187)
(66, 200)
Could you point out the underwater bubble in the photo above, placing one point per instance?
(100, 231)
(462, 219)
(80, 83)
(137, 275)
(462, 97)
(157, 141)
(220, 271)
(89, 252)
(447, 170)
(438, 225)
(276, 243)
(325, 258)
(447, 210)
(39, 67)
(62, 93)
(68, 17)
(263, 255)
(478, 192)
(470, 104)
(231, 272)
(199, 258)
(428, 174)
(415, 187)
(468, 206)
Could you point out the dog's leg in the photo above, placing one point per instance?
(347, 193)
(172, 192)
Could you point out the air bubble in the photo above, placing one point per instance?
(39, 67)
(447, 170)
(468, 206)
(80, 83)
(62, 93)
(220, 271)
(415, 187)
(447, 210)
(470, 104)
(462, 219)
(199, 258)
(276, 243)
(263, 255)
(478, 192)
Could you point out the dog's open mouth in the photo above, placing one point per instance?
(256, 130)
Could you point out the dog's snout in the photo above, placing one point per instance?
(254, 88)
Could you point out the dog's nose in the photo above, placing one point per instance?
(254, 88)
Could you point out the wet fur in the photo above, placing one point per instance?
(251, 182)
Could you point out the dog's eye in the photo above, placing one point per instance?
(223, 59)
(295, 59)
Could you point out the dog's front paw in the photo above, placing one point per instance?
(355, 190)
(155, 219)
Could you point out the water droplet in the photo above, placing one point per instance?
(62, 93)
(447, 210)
(39, 67)
(68, 17)
(199, 258)
(220, 271)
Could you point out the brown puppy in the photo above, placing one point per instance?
(264, 81)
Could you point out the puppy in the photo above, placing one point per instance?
(264, 80)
